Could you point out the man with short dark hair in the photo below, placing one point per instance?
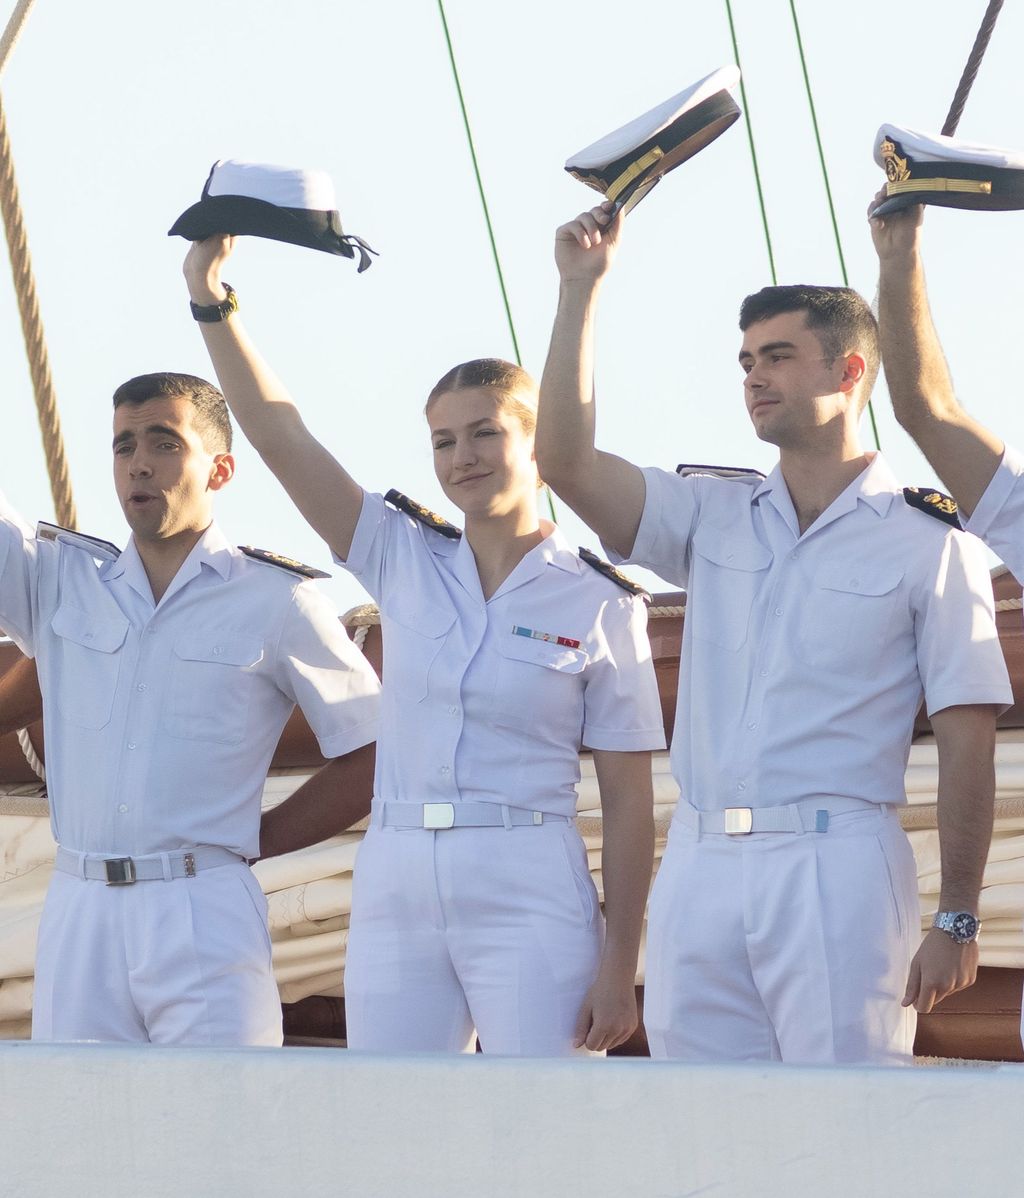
(821, 603)
(168, 672)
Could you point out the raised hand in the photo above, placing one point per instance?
(585, 247)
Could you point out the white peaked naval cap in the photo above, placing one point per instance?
(278, 202)
(626, 164)
(930, 168)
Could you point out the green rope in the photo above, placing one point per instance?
(480, 184)
(828, 187)
(487, 213)
(750, 139)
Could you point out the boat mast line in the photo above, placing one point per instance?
(486, 209)
(828, 185)
(750, 140)
(956, 109)
(28, 303)
(12, 32)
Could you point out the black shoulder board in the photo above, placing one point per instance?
(935, 503)
(424, 515)
(68, 536)
(282, 563)
(720, 471)
(609, 571)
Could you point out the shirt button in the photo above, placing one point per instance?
(123, 808)
(751, 726)
(141, 687)
(793, 556)
(764, 673)
(855, 582)
(217, 650)
(778, 611)
(741, 786)
(88, 636)
(453, 710)
(444, 771)
(131, 744)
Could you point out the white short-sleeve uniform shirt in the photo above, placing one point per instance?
(477, 705)
(805, 657)
(161, 720)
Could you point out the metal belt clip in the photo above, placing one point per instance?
(189, 861)
(120, 871)
(739, 821)
(438, 815)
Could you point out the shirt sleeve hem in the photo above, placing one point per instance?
(347, 742)
(635, 741)
(995, 495)
(370, 516)
(1001, 700)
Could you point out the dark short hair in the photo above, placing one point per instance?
(839, 317)
(211, 418)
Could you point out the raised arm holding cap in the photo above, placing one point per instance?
(963, 453)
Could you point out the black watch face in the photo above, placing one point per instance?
(965, 927)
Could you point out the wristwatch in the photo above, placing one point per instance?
(960, 926)
(211, 313)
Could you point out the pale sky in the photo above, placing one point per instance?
(116, 110)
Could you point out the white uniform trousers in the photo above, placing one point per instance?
(496, 930)
(185, 961)
(782, 946)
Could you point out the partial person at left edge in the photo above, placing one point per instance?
(168, 672)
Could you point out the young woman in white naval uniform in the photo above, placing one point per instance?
(504, 654)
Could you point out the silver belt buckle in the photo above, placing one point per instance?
(739, 821)
(120, 871)
(438, 815)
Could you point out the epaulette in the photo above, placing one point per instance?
(282, 563)
(609, 571)
(68, 536)
(720, 471)
(424, 515)
(935, 503)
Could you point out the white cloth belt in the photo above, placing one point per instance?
(438, 816)
(153, 867)
(809, 815)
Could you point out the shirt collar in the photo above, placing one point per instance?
(212, 549)
(876, 485)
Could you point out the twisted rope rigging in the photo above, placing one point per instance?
(956, 109)
(28, 300)
(35, 339)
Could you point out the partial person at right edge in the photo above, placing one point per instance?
(821, 603)
(984, 475)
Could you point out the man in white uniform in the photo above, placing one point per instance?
(168, 672)
(822, 602)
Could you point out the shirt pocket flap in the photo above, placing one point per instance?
(545, 653)
(425, 618)
(850, 579)
(95, 631)
(223, 648)
(731, 552)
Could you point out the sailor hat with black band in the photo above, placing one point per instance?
(927, 168)
(626, 164)
(277, 202)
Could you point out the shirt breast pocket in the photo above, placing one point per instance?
(848, 618)
(209, 687)
(414, 634)
(540, 684)
(725, 578)
(90, 663)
